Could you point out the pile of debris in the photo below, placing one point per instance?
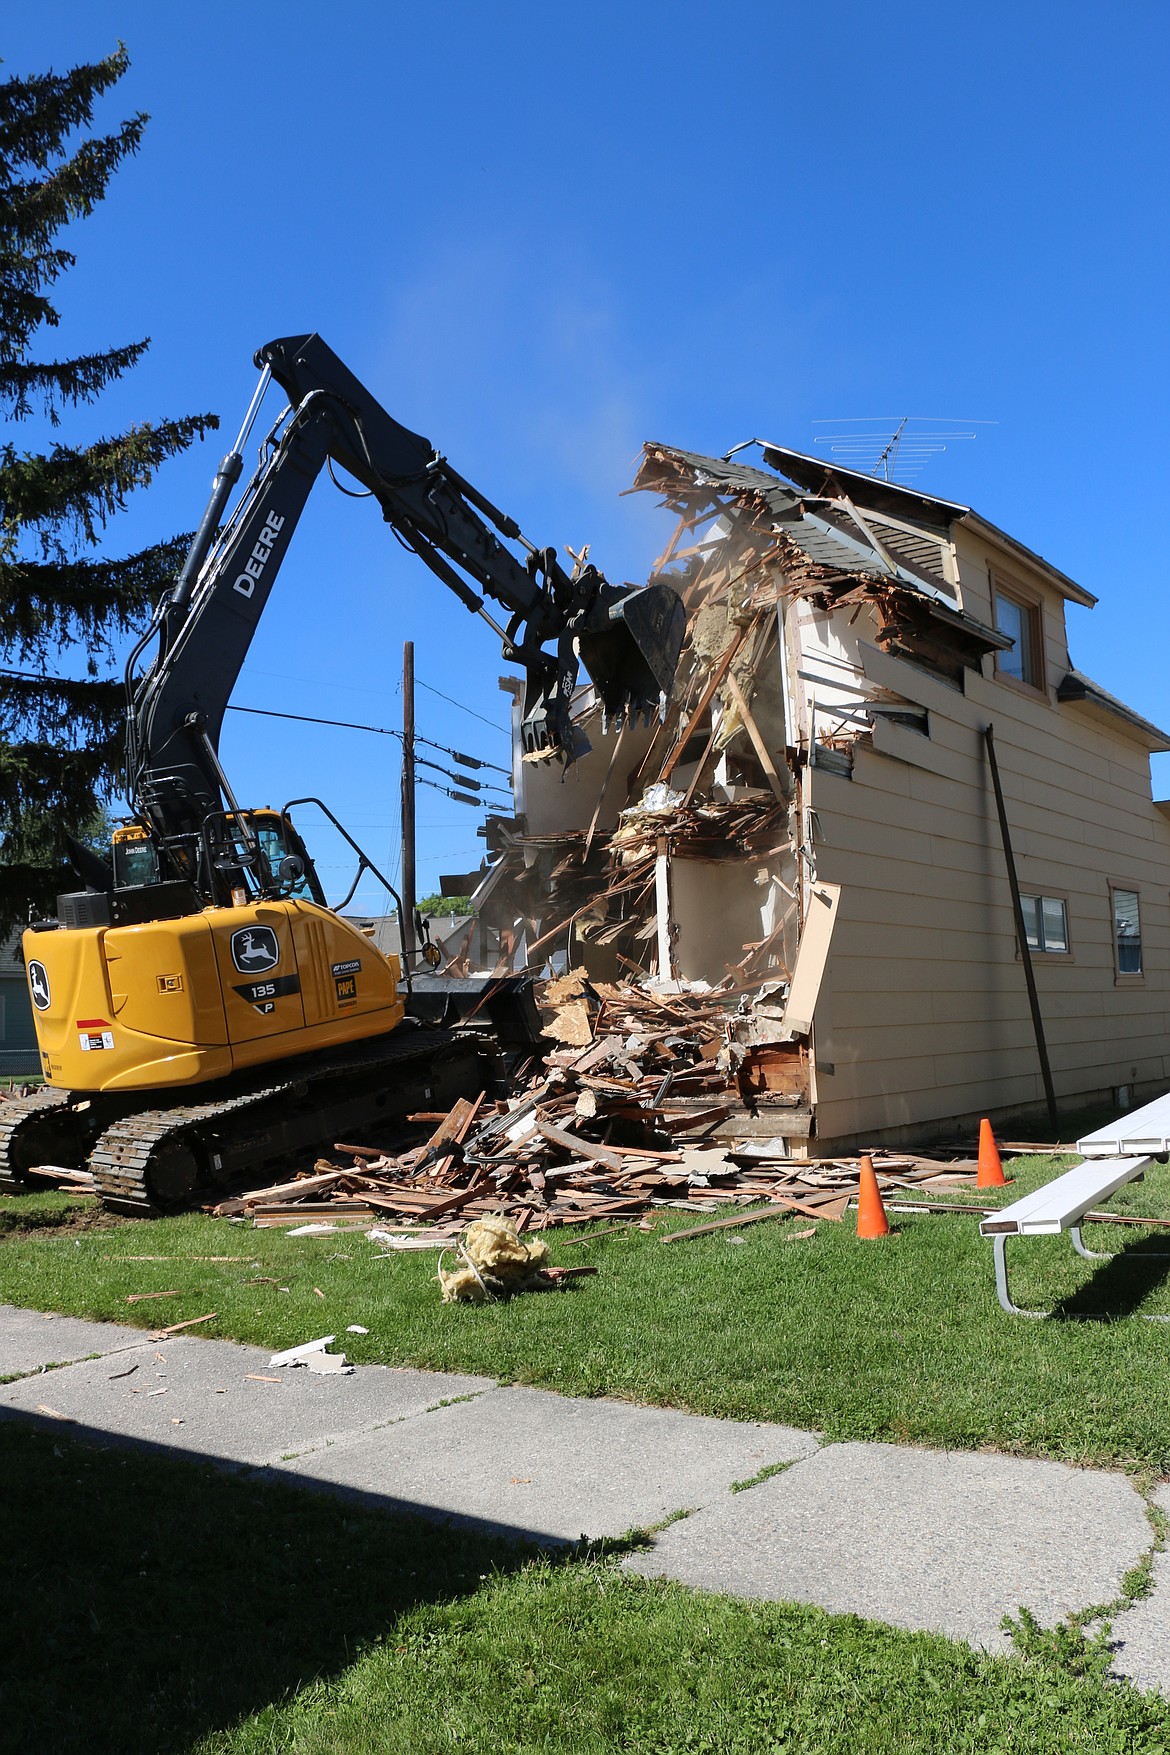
(625, 1118)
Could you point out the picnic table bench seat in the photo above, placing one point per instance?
(1059, 1206)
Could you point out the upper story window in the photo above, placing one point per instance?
(1127, 932)
(1023, 661)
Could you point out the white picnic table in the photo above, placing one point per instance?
(1113, 1156)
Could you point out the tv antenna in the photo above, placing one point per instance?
(896, 450)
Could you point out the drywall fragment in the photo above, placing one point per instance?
(295, 1355)
(328, 1364)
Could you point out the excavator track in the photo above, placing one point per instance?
(29, 1128)
(158, 1160)
(127, 1158)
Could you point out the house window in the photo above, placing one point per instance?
(1127, 932)
(1023, 660)
(1045, 922)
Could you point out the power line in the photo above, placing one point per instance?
(311, 719)
(389, 731)
(452, 703)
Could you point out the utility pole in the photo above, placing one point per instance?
(408, 897)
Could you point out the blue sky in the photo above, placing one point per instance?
(542, 235)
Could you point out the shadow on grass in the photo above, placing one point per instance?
(149, 1601)
(1120, 1285)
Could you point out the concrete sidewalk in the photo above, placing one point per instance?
(944, 1542)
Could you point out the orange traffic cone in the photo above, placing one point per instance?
(990, 1169)
(871, 1214)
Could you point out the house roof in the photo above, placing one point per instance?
(1078, 689)
(817, 476)
(823, 533)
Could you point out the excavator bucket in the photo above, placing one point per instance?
(630, 646)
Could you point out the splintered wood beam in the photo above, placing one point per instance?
(571, 1142)
(758, 743)
(621, 738)
(700, 767)
(713, 682)
(723, 1225)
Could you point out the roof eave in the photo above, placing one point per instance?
(991, 533)
(1077, 689)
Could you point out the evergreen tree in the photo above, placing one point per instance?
(61, 738)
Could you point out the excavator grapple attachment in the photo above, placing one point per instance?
(630, 648)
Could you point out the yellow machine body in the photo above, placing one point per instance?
(188, 1000)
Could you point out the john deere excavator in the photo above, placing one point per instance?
(200, 1010)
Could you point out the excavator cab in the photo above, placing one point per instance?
(249, 854)
(135, 857)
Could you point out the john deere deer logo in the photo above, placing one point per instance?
(38, 981)
(255, 948)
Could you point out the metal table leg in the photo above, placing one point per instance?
(999, 1242)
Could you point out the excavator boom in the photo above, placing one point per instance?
(628, 638)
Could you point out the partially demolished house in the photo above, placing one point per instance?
(810, 837)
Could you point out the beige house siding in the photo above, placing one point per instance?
(924, 1013)
(832, 707)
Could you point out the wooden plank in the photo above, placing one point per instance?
(713, 682)
(572, 1142)
(281, 1191)
(758, 743)
(720, 1225)
(160, 1334)
(811, 957)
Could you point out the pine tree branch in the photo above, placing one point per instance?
(78, 491)
(38, 112)
(64, 602)
(60, 381)
(31, 211)
(59, 710)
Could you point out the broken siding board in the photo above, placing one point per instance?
(914, 684)
(812, 954)
(898, 743)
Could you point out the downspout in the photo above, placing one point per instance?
(1021, 930)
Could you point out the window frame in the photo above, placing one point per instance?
(1125, 977)
(1032, 609)
(1042, 950)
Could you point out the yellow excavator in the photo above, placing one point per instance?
(201, 1011)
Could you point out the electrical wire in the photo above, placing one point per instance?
(431, 690)
(459, 797)
(388, 731)
(311, 719)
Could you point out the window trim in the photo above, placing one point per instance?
(1125, 977)
(1049, 896)
(1033, 608)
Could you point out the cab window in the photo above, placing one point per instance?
(135, 863)
(273, 844)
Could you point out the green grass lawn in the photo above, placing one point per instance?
(900, 1339)
(157, 1606)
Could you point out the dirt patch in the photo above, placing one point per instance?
(18, 1221)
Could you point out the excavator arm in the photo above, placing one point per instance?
(628, 639)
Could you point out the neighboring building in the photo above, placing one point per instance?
(459, 937)
(816, 817)
(19, 1055)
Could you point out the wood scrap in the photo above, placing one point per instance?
(667, 1086)
(160, 1334)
